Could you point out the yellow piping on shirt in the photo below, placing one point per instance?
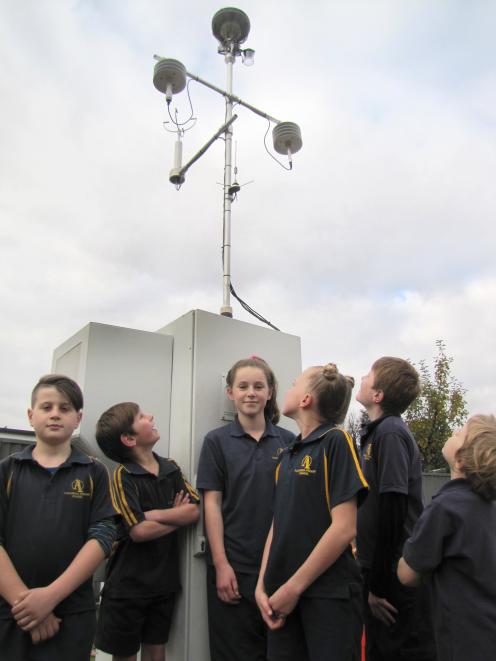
(192, 492)
(326, 479)
(124, 508)
(113, 497)
(355, 459)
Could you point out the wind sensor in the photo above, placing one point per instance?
(230, 26)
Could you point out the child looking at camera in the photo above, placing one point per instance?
(56, 527)
(236, 475)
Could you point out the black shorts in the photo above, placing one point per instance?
(123, 624)
(73, 641)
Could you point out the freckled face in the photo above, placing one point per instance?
(144, 429)
(250, 391)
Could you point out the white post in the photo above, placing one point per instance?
(226, 308)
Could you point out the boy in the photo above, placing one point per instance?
(143, 574)
(56, 527)
(455, 539)
(396, 622)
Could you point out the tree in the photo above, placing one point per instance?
(439, 410)
(354, 422)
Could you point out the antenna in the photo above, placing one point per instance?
(231, 27)
(235, 187)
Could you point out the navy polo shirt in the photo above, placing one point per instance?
(391, 463)
(455, 539)
(315, 475)
(45, 517)
(233, 462)
(146, 569)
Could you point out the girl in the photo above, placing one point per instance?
(309, 590)
(236, 474)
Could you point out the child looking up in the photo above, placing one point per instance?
(309, 591)
(397, 620)
(56, 527)
(454, 540)
(236, 474)
(142, 575)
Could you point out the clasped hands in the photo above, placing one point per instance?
(276, 608)
(33, 612)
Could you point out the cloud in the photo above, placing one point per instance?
(379, 241)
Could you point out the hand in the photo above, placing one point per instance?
(227, 584)
(283, 602)
(271, 620)
(46, 629)
(32, 607)
(180, 498)
(382, 609)
(262, 599)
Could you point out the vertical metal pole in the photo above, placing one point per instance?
(226, 308)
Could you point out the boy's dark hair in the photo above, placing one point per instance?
(114, 422)
(271, 410)
(332, 392)
(399, 381)
(478, 455)
(64, 385)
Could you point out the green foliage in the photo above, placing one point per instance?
(439, 410)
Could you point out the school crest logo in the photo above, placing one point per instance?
(305, 466)
(78, 490)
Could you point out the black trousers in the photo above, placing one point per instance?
(236, 633)
(320, 629)
(411, 637)
(73, 642)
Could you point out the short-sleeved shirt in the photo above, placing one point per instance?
(45, 517)
(391, 463)
(242, 468)
(315, 475)
(455, 539)
(151, 568)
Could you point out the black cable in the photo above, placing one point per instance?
(243, 304)
(249, 309)
(174, 121)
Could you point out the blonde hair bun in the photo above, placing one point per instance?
(330, 371)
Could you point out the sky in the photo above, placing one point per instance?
(380, 241)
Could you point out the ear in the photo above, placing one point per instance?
(79, 417)
(378, 396)
(30, 416)
(458, 463)
(229, 393)
(306, 401)
(128, 440)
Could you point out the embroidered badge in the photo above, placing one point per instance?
(77, 490)
(306, 466)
